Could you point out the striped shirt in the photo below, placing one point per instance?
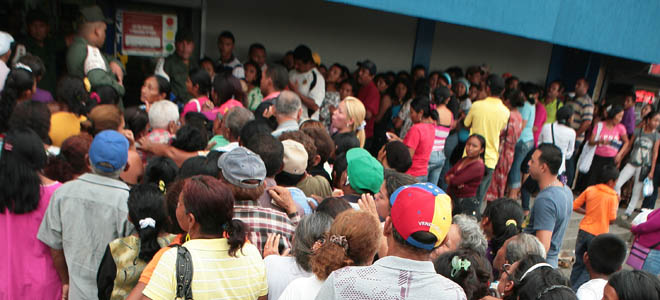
(216, 275)
(263, 220)
(441, 133)
(583, 110)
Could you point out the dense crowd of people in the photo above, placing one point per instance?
(297, 180)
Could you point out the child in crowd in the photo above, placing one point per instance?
(604, 257)
(502, 219)
(464, 177)
(395, 155)
(468, 268)
(198, 85)
(125, 258)
(598, 203)
(632, 285)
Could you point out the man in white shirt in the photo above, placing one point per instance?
(287, 113)
(5, 52)
(604, 257)
(418, 222)
(306, 81)
(227, 59)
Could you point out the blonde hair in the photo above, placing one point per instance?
(356, 112)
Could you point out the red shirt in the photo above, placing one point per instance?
(370, 97)
(420, 137)
(466, 181)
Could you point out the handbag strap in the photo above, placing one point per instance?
(184, 273)
(600, 127)
(552, 129)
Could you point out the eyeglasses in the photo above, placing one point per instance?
(506, 268)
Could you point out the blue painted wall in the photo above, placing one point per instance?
(624, 28)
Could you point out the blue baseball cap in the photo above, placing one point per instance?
(109, 151)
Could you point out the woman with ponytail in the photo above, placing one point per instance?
(349, 118)
(223, 264)
(125, 258)
(444, 124)
(502, 219)
(351, 241)
(420, 136)
(19, 87)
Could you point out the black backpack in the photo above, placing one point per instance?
(184, 273)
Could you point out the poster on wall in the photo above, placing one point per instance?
(645, 96)
(145, 34)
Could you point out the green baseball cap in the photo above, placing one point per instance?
(93, 13)
(365, 173)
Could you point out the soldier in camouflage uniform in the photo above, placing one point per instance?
(84, 58)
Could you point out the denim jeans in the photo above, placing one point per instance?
(649, 202)
(652, 262)
(450, 145)
(436, 162)
(579, 273)
(571, 164)
(483, 186)
(522, 148)
(422, 179)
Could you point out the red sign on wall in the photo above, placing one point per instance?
(146, 34)
(644, 96)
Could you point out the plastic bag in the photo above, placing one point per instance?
(647, 189)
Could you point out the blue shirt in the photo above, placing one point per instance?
(299, 197)
(552, 212)
(528, 112)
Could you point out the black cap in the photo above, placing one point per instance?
(303, 53)
(369, 65)
(93, 13)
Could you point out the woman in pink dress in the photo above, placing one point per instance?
(532, 91)
(27, 270)
(513, 99)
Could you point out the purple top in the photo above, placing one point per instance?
(648, 233)
(42, 96)
(629, 120)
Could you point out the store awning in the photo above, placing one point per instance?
(623, 28)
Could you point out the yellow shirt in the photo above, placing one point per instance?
(63, 125)
(216, 275)
(488, 118)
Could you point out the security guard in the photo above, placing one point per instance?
(84, 59)
(179, 64)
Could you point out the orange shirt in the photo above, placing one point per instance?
(601, 205)
(149, 269)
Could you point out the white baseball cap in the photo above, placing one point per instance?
(5, 42)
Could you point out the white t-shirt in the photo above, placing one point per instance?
(280, 271)
(564, 139)
(592, 289)
(304, 82)
(302, 289)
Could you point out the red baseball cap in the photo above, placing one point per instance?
(421, 207)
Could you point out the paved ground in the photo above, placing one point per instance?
(568, 246)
